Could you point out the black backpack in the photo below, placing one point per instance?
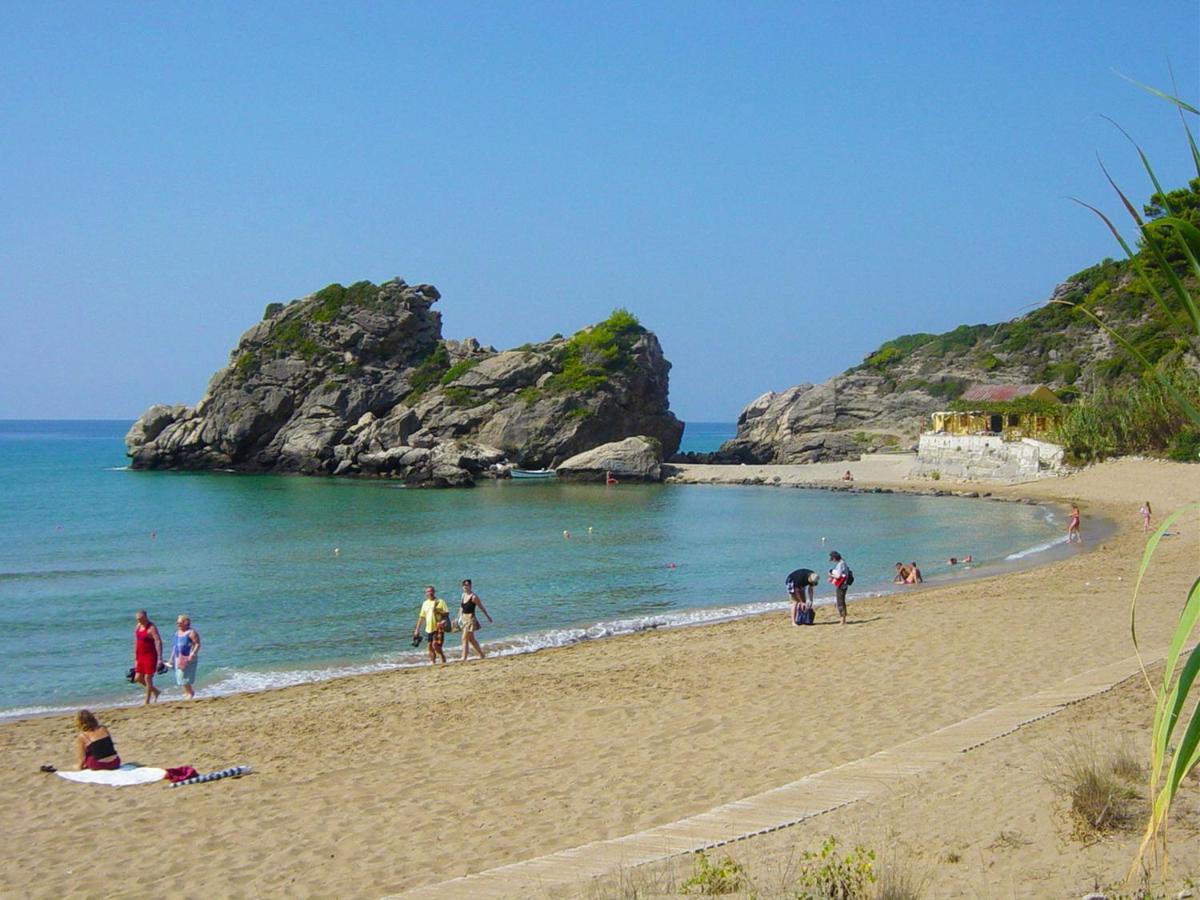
(849, 577)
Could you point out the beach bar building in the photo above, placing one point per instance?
(1012, 411)
(996, 432)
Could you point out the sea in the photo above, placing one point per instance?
(296, 579)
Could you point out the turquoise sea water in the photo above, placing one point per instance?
(705, 437)
(86, 542)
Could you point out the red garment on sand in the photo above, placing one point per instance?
(180, 773)
(147, 653)
(97, 765)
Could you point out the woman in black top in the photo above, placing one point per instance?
(94, 744)
(468, 620)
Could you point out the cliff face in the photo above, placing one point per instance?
(358, 380)
(886, 401)
(840, 419)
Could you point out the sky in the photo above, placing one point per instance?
(773, 188)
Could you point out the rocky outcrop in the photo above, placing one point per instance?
(886, 401)
(843, 418)
(359, 381)
(633, 459)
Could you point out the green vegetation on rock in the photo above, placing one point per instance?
(428, 373)
(291, 336)
(461, 368)
(898, 349)
(593, 354)
(329, 301)
(1054, 344)
(245, 366)
(950, 388)
(461, 396)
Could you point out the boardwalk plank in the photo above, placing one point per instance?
(783, 806)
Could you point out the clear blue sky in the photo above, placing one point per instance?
(774, 188)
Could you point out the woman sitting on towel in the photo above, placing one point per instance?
(95, 744)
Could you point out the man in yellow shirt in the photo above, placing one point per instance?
(435, 616)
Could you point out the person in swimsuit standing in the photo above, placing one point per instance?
(184, 650)
(94, 744)
(469, 620)
(1146, 513)
(147, 652)
(1073, 535)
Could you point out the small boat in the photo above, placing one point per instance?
(532, 473)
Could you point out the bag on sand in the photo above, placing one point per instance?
(806, 616)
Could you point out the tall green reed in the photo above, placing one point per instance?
(1169, 235)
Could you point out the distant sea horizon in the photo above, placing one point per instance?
(705, 437)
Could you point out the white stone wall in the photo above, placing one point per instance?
(989, 457)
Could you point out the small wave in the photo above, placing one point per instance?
(1037, 548)
(44, 574)
(24, 712)
(117, 469)
(21, 712)
(564, 637)
(240, 681)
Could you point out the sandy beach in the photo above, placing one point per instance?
(371, 785)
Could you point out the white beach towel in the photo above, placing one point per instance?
(123, 777)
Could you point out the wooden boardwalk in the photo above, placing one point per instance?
(780, 807)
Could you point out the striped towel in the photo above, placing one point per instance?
(231, 772)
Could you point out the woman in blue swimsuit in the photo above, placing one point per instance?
(184, 650)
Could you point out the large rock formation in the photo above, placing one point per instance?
(633, 459)
(358, 380)
(848, 415)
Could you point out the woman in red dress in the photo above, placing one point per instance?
(147, 651)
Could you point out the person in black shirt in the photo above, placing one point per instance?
(800, 587)
(94, 745)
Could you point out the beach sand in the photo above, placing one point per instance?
(370, 785)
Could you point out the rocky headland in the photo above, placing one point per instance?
(884, 402)
(358, 380)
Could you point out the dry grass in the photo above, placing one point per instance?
(1101, 787)
(900, 878)
(1009, 840)
(640, 883)
(1127, 765)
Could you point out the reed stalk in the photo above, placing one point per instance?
(1174, 737)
